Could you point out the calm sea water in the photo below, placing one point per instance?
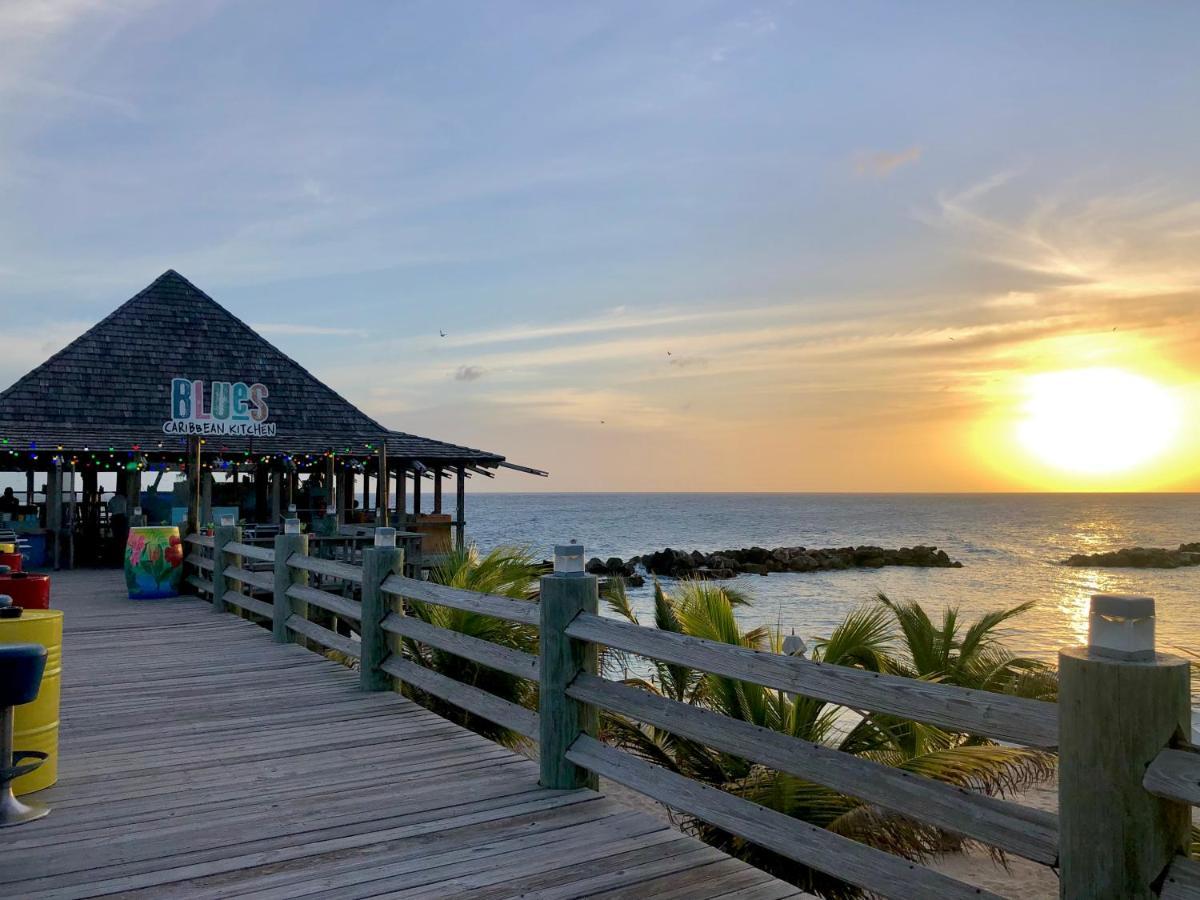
(1009, 545)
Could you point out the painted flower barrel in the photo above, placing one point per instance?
(153, 562)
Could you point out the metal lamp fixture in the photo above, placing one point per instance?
(1121, 626)
(568, 559)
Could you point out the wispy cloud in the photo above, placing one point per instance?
(881, 163)
(469, 373)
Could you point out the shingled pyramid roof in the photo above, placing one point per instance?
(111, 385)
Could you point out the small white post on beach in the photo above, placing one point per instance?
(1120, 703)
(564, 595)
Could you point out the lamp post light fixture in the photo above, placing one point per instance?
(1121, 626)
(568, 559)
(291, 526)
(385, 537)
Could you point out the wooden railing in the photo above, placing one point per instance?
(363, 611)
(1174, 776)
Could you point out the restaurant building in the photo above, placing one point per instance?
(173, 383)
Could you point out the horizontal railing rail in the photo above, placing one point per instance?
(487, 653)
(1175, 775)
(998, 716)
(329, 568)
(350, 610)
(1183, 880)
(522, 612)
(372, 613)
(479, 702)
(874, 870)
(1018, 829)
(250, 551)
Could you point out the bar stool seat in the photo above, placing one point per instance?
(21, 668)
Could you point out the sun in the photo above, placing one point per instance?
(1096, 421)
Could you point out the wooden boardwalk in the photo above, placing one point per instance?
(200, 759)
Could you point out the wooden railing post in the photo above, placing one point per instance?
(285, 577)
(1119, 703)
(377, 564)
(565, 594)
(222, 535)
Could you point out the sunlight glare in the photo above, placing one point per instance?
(1097, 420)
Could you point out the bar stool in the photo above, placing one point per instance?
(21, 668)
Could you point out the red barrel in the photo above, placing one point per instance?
(12, 560)
(27, 589)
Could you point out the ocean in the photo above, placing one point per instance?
(1010, 546)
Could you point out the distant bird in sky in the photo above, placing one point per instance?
(601, 421)
(442, 333)
(668, 353)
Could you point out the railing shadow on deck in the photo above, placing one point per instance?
(325, 604)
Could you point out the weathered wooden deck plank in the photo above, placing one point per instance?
(202, 759)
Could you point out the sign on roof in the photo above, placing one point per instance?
(234, 407)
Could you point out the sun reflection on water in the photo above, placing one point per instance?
(1075, 598)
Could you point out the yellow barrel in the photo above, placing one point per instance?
(8, 547)
(37, 722)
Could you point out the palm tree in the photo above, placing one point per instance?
(975, 658)
(509, 572)
(864, 640)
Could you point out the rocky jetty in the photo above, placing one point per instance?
(1139, 558)
(761, 561)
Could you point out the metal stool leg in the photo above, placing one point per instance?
(12, 810)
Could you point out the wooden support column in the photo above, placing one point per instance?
(437, 490)
(29, 487)
(345, 496)
(401, 493)
(377, 564)
(1115, 716)
(562, 720)
(262, 491)
(381, 489)
(331, 490)
(206, 492)
(285, 577)
(192, 473)
(416, 492)
(54, 510)
(74, 520)
(133, 489)
(276, 497)
(460, 508)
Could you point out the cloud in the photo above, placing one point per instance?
(882, 163)
(295, 328)
(469, 373)
(688, 362)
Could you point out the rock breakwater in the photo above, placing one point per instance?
(761, 561)
(1139, 558)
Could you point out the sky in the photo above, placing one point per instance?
(672, 246)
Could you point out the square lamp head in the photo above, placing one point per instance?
(1121, 626)
(291, 526)
(568, 559)
(292, 510)
(228, 520)
(385, 537)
